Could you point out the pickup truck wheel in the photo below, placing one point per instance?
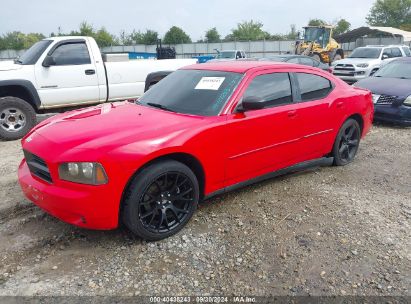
(347, 142)
(160, 200)
(17, 117)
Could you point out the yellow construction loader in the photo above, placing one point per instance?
(318, 43)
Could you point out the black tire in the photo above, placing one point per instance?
(346, 143)
(158, 202)
(17, 117)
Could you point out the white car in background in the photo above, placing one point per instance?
(365, 61)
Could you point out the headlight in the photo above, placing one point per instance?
(363, 65)
(83, 173)
(408, 101)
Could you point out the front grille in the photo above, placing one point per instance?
(344, 70)
(349, 67)
(386, 99)
(38, 166)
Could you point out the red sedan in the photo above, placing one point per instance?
(203, 130)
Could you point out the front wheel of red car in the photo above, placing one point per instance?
(160, 200)
(347, 142)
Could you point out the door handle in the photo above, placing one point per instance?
(292, 114)
(340, 104)
(90, 72)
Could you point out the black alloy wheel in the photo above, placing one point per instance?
(347, 143)
(166, 202)
(160, 200)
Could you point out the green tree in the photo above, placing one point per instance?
(104, 38)
(138, 37)
(277, 37)
(341, 27)
(212, 35)
(125, 39)
(176, 35)
(393, 13)
(148, 37)
(86, 29)
(293, 34)
(316, 22)
(249, 30)
(13, 41)
(31, 39)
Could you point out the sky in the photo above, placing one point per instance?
(195, 17)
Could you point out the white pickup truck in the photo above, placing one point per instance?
(63, 72)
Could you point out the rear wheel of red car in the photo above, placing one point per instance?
(347, 142)
(160, 200)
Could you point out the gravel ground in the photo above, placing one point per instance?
(324, 231)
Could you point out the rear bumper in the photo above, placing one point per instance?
(89, 206)
(393, 114)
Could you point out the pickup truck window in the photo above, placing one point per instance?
(195, 92)
(71, 54)
(33, 54)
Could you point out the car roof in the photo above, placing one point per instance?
(242, 66)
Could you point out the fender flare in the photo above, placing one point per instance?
(155, 77)
(28, 86)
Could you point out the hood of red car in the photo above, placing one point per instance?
(111, 124)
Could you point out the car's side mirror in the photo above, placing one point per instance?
(384, 56)
(48, 61)
(250, 103)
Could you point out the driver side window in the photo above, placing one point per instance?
(272, 89)
(71, 54)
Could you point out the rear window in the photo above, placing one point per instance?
(313, 87)
(196, 92)
(406, 51)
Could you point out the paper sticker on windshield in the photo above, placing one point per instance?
(209, 83)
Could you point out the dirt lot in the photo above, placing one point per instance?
(324, 231)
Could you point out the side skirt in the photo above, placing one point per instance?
(319, 162)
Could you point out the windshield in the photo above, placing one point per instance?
(223, 55)
(366, 53)
(193, 92)
(33, 54)
(396, 69)
(319, 35)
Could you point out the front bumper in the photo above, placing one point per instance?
(400, 115)
(352, 76)
(85, 206)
